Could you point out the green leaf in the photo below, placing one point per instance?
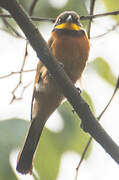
(47, 160)
(51, 147)
(11, 136)
(76, 138)
(103, 69)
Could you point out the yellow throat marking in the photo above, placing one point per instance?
(69, 26)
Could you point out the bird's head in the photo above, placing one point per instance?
(68, 20)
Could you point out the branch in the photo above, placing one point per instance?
(23, 64)
(113, 13)
(31, 17)
(99, 117)
(108, 31)
(112, 97)
(16, 72)
(13, 29)
(83, 155)
(89, 122)
(32, 7)
(83, 18)
(91, 13)
(20, 77)
(8, 25)
(90, 139)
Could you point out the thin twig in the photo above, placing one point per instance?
(13, 92)
(115, 90)
(110, 30)
(20, 77)
(82, 156)
(22, 92)
(17, 72)
(113, 13)
(91, 13)
(73, 96)
(23, 89)
(32, 17)
(90, 138)
(21, 70)
(13, 29)
(8, 25)
(32, 7)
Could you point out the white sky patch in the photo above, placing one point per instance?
(68, 166)
(58, 3)
(55, 122)
(11, 55)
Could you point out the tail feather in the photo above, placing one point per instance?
(25, 157)
(41, 111)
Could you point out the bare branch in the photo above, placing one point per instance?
(91, 13)
(20, 77)
(89, 122)
(13, 92)
(113, 13)
(83, 18)
(82, 156)
(22, 92)
(8, 25)
(17, 72)
(32, 7)
(13, 29)
(32, 17)
(90, 139)
(23, 89)
(110, 30)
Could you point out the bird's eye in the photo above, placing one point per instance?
(59, 20)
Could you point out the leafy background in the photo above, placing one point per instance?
(71, 137)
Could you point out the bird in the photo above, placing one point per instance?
(70, 45)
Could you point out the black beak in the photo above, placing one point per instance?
(69, 19)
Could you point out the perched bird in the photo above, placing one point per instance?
(70, 45)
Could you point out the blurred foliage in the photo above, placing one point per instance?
(112, 5)
(51, 147)
(44, 8)
(11, 136)
(103, 69)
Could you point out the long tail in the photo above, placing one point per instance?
(25, 157)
